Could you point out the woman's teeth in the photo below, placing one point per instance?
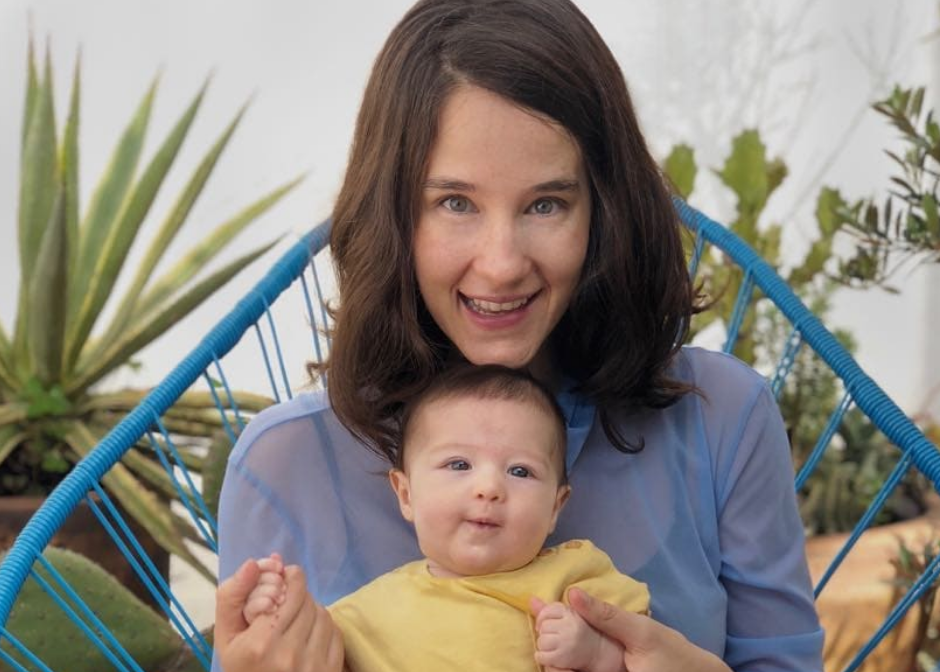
(493, 308)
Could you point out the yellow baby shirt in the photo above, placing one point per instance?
(409, 621)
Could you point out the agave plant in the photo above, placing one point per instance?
(51, 412)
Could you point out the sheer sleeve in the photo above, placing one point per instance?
(771, 623)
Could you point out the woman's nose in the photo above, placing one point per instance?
(502, 257)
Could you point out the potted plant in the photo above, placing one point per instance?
(59, 348)
(844, 482)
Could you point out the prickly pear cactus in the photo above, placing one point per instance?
(43, 627)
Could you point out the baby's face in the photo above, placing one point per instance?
(481, 484)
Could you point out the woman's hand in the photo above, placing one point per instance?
(298, 637)
(566, 642)
(648, 646)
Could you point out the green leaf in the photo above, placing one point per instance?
(12, 412)
(53, 462)
(828, 204)
(69, 162)
(37, 192)
(202, 254)
(44, 402)
(681, 169)
(752, 178)
(32, 94)
(929, 204)
(111, 257)
(142, 504)
(175, 219)
(10, 440)
(47, 297)
(8, 379)
(106, 203)
(45, 629)
(213, 471)
(92, 370)
(776, 173)
(152, 472)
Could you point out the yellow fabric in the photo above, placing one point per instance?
(409, 621)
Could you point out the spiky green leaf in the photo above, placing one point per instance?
(38, 180)
(92, 370)
(8, 379)
(13, 412)
(112, 256)
(177, 216)
(106, 203)
(10, 439)
(32, 94)
(139, 502)
(69, 162)
(171, 282)
(153, 473)
(47, 296)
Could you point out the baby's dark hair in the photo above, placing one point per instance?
(489, 381)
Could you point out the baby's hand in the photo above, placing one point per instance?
(566, 642)
(270, 590)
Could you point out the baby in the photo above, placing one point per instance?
(481, 475)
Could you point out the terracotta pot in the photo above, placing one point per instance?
(81, 532)
(858, 598)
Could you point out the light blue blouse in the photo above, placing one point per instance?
(705, 515)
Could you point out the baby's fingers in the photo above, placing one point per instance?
(547, 642)
(257, 606)
(550, 612)
(274, 592)
(272, 563)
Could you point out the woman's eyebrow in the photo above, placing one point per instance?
(447, 184)
(557, 185)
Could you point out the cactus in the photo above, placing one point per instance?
(46, 630)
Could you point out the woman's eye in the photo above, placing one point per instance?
(545, 206)
(519, 472)
(458, 465)
(457, 204)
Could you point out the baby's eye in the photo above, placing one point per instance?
(545, 206)
(457, 204)
(519, 472)
(458, 465)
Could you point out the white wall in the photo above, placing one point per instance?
(700, 70)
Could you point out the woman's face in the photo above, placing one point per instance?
(503, 227)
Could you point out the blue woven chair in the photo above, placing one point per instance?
(24, 565)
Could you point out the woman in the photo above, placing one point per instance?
(500, 206)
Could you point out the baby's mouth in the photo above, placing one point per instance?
(484, 523)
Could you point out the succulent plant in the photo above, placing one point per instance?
(52, 411)
(40, 624)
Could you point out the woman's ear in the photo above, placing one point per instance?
(402, 488)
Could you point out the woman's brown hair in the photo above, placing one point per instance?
(630, 312)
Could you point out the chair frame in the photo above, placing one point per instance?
(861, 390)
